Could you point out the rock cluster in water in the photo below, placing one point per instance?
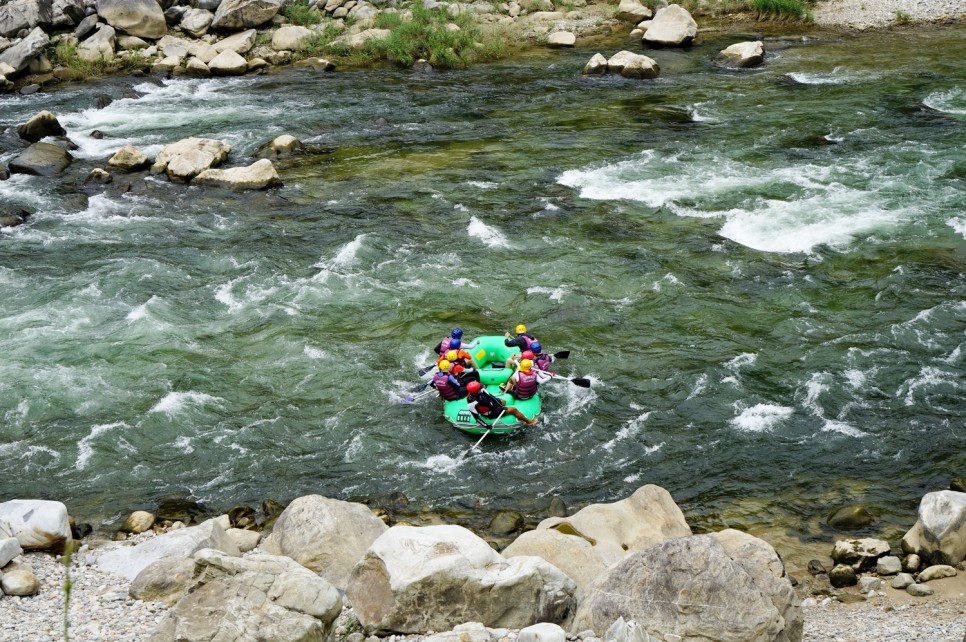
(630, 570)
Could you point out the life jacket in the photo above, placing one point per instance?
(486, 403)
(527, 338)
(526, 385)
(444, 345)
(445, 387)
(543, 361)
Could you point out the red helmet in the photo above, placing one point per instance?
(527, 354)
(473, 387)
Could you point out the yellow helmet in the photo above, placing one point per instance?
(451, 355)
(444, 366)
(525, 365)
(521, 329)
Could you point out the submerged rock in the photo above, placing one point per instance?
(41, 159)
(259, 175)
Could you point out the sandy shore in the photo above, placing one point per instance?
(877, 14)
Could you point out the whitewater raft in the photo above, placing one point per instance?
(489, 355)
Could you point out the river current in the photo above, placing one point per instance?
(761, 271)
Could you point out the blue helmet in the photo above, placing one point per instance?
(535, 346)
(457, 333)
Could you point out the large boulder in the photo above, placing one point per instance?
(244, 14)
(414, 580)
(24, 52)
(40, 126)
(228, 63)
(292, 37)
(142, 18)
(672, 26)
(130, 159)
(129, 561)
(66, 13)
(99, 45)
(259, 175)
(727, 587)
(39, 525)
(41, 159)
(325, 535)
(16, 15)
(939, 536)
(260, 597)
(165, 580)
(572, 554)
(860, 554)
(561, 39)
(752, 54)
(595, 66)
(240, 42)
(196, 22)
(633, 524)
(632, 65)
(632, 11)
(187, 158)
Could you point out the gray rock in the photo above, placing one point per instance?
(293, 38)
(165, 580)
(937, 572)
(632, 65)
(941, 529)
(889, 565)
(245, 540)
(842, 575)
(672, 26)
(98, 176)
(99, 46)
(433, 578)
(196, 22)
(868, 583)
(325, 535)
(573, 555)
(860, 554)
(244, 14)
(259, 175)
(902, 580)
(506, 522)
(228, 63)
(44, 159)
(919, 590)
(632, 11)
(187, 158)
(86, 26)
(752, 54)
(195, 68)
(9, 549)
(596, 65)
(815, 568)
(130, 159)
(143, 18)
(21, 54)
(542, 632)
(40, 126)
(239, 43)
(17, 15)
(244, 599)
(681, 586)
(131, 43)
(911, 563)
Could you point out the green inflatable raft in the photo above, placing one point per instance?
(489, 355)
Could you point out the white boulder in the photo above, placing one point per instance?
(195, 22)
(672, 26)
(240, 42)
(939, 537)
(228, 63)
(244, 14)
(9, 549)
(37, 524)
(745, 54)
(632, 11)
(572, 554)
(187, 158)
(292, 38)
(259, 175)
(99, 45)
(561, 39)
(142, 18)
(596, 65)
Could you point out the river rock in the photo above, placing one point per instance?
(325, 535)
(860, 554)
(196, 22)
(542, 632)
(187, 158)
(293, 38)
(561, 39)
(868, 583)
(143, 18)
(911, 563)
(98, 46)
(902, 580)
(239, 43)
(20, 581)
(259, 597)
(752, 54)
(98, 176)
(939, 536)
(359, 40)
(633, 524)
(67, 13)
(679, 588)
(815, 567)
(414, 580)
(195, 68)
(596, 65)
(16, 15)
(21, 54)
(131, 159)
(128, 561)
(572, 554)
(937, 572)
(632, 11)
(506, 522)
(920, 590)
(39, 525)
(9, 549)
(842, 575)
(228, 63)
(165, 580)
(283, 145)
(672, 26)
(11, 216)
(41, 125)
(958, 484)
(140, 520)
(244, 14)
(632, 65)
(888, 565)
(202, 51)
(244, 539)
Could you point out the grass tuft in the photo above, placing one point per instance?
(299, 13)
(783, 9)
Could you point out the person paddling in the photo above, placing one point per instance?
(463, 360)
(522, 340)
(456, 336)
(541, 360)
(447, 385)
(524, 382)
(482, 404)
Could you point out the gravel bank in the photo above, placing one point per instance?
(876, 14)
(101, 611)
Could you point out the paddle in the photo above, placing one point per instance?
(421, 387)
(577, 381)
(563, 354)
(489, 429)
(412, 398)
(423, 371)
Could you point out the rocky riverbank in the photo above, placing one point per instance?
(607, 572)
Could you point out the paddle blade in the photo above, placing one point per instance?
(408, 399)
(580, 381)
(563, 354)
(420, 387)
(423, 371)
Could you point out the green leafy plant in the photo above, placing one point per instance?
(65, 54)
(299, 13)
(783, 9)
(902, 18)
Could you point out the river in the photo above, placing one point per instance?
(761, 271)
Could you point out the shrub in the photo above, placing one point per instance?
(783, 9)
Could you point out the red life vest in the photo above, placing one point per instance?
(526, 385)
(445, 387)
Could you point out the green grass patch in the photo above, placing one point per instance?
(65, 55)
(902, 18)
(783, 9)
(299, 13)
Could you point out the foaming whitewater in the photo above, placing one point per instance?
(85, 447)
(173, 403)
(952, 101)
(488, 234)
(762, 417)
(959, 225)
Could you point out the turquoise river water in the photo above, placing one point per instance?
(761, 271)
